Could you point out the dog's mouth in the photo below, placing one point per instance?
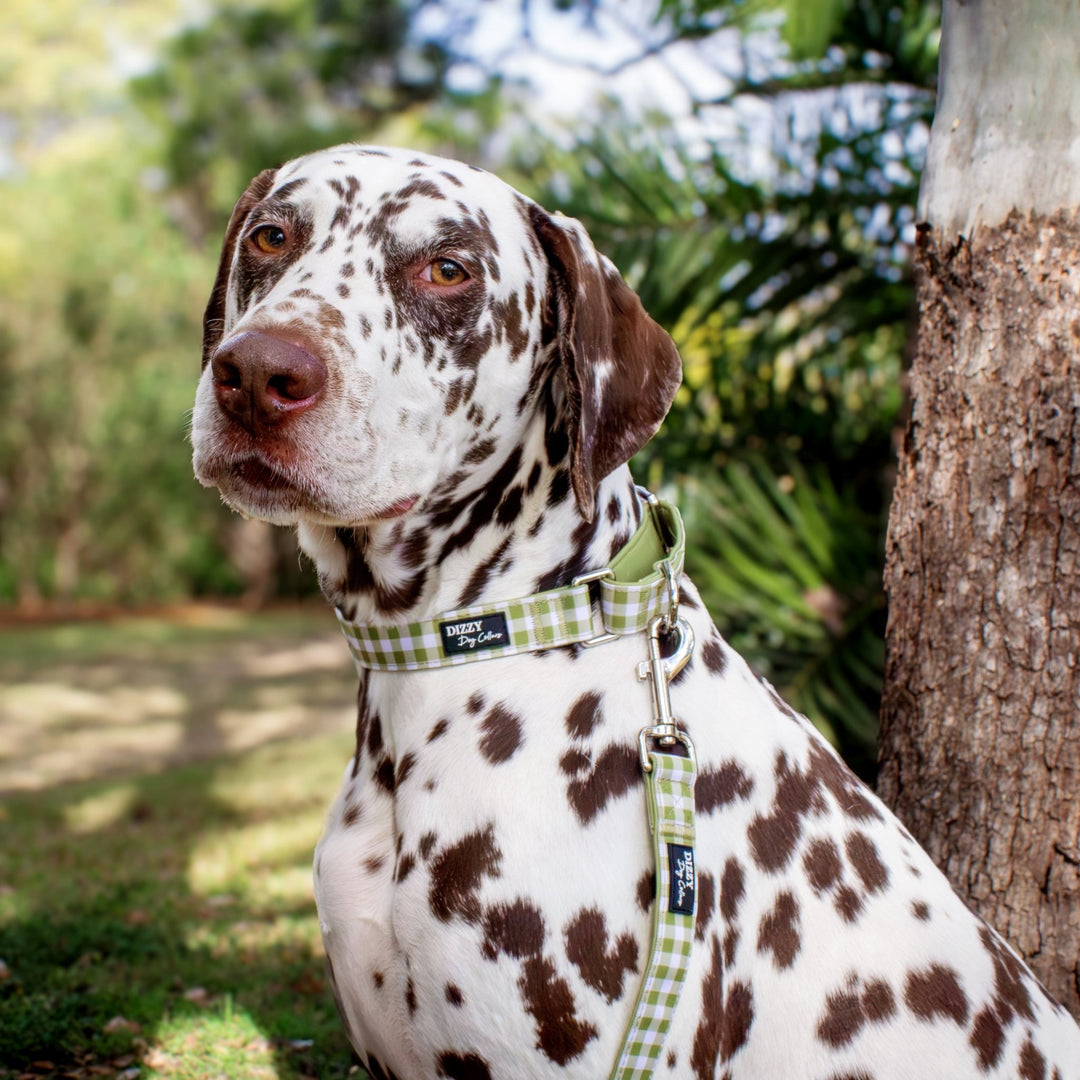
(255, 486)
(257, 474)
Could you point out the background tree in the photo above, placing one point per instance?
(980, 740)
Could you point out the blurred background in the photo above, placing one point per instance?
(176, 703)
(750, 166)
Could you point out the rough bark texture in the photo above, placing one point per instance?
(980, 737)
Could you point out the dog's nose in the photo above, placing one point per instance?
(262, 381)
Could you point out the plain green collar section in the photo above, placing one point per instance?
(622, 598)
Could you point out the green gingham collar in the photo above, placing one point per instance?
(620, 599)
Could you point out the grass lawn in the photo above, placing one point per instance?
(158, 921)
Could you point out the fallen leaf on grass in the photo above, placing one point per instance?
(156, 1058)
(121, 1024)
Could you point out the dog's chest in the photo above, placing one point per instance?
(492, 854)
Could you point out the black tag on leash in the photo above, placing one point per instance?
(683, 879)
(470, 635)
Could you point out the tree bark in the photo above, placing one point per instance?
(980, 725)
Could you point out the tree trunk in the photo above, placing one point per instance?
(980, 735)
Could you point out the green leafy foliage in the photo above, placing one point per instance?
(789, 567)
(96, 320)
(257, 84)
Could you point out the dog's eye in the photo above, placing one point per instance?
(445, 272)
(269, 239)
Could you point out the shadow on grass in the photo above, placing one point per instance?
(163, 925)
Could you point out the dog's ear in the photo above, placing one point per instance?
(621, 369)
(214, 316)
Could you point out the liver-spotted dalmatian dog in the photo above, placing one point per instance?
(439, 384)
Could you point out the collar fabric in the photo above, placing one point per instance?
(628, 594)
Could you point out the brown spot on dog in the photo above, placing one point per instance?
(987, 1038)
(738, 1018)
(731, 944)
(936, 991)
(920, 909)
(878, 1001)
(863, 854)
(463, 1066)
(773, 836)
(560, 1036)
(851, 797)
(410, 997)
(712, 652)
(584, 715)
(710, 1032)
(352, 814)
(716, 788)
(601, 967)
(843, 1018)
(706, 904)
(404, 767)
(384, 774)
(456, 874)
(646, 890)
(438, 731)
(1032, 1063)
(848, 903)
(732, 889)
(516, 929)
(848, 1009)
(501, 735)
(822, 864)
(404, 866)
(778, 931)
(374, 736)
(1011, 993)
(378, 978)
(480, 576)
(574, 762)
(454, 995)
(615, 772)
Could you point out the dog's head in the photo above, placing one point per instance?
(382, 320)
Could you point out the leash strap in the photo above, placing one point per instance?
(631, 592)
(670, 798)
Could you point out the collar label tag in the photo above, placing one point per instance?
(683, 881)
(474, 635)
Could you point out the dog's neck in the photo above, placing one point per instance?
(492, 534)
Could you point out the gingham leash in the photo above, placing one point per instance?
(669, 796)
(638, 592)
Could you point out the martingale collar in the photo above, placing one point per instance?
(623, 598)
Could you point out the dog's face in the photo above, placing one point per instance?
(382, 320)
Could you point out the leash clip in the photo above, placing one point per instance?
(661, 670)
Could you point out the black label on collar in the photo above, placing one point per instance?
(683, 881)
(471, 635)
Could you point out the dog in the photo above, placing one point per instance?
(439, 384)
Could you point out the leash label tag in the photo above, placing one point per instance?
(683, 879)
(473, 635)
